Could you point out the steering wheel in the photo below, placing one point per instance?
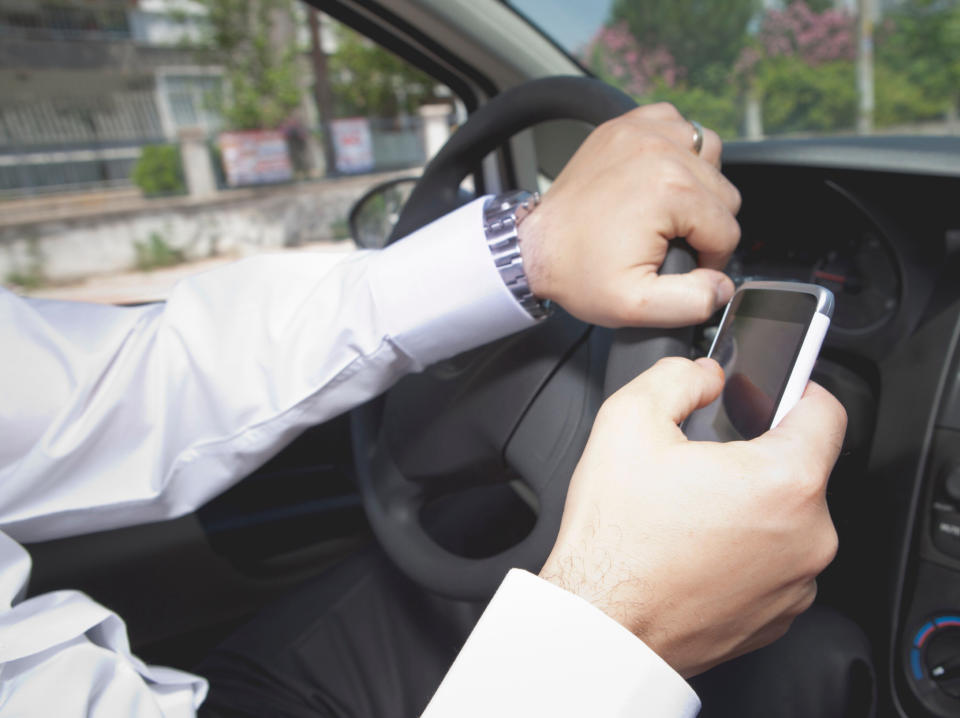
(519, 408)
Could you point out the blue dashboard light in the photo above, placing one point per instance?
(915, 664)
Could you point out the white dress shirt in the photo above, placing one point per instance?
(115, 416)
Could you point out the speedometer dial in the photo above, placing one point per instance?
(840, 246)
(862, 274)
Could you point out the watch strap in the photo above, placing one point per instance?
(502, 215)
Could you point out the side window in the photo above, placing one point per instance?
(144, 141)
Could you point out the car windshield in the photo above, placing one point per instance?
(757, 68)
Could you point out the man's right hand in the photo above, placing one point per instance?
(703, 550)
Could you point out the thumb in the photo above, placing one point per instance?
(673, 300)
(813, 429)
(668, 392)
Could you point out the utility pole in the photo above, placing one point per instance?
(321, 90)
(865, 16)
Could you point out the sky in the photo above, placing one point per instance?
(570, 22)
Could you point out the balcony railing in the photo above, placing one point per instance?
(64, 22)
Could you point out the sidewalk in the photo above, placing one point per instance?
(134, 287)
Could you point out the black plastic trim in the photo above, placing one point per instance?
(938, 156)
(910, 534)
(376, 32)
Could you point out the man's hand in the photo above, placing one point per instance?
(703, 550)
(600, 234)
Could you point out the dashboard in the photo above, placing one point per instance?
(849, 253)
(887, 243)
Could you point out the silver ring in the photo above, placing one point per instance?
(697, 136)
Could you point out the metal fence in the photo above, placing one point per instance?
(119, 118)
(64, 21)
(53, 145)
(397, 142)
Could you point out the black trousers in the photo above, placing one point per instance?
(362, 641)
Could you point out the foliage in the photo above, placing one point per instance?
(652, 75)
(368, 80)
(158, 171)
(618, 58)
(815, 37)
(156, 252)
(798, 59)
(799, 97)
(702, 35)
(340, 229)
(254, 41)
(31, 275)
(721, 111)
(921, 45)
(800, 64)
(899, 101)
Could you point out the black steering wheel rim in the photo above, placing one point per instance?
(535, 363)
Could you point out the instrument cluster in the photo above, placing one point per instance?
(835, 244)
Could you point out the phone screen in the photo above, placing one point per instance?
(757, 346)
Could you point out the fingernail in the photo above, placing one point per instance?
(709, 364)
(725, 290)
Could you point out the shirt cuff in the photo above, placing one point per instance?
(439, 292)
(540, 650)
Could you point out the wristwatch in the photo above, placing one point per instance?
(502, 216)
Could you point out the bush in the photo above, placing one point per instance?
(158, 172)
(899, 101)
(801, 98)
(720, 111)
(155, 252)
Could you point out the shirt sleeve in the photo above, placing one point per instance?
(115, 416)
(541, 651)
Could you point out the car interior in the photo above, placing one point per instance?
(875, 219)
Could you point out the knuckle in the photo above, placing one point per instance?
(806, 599)
(633, 308)
(652, 143)
(610, 408)
(667, 109)
(620, 402)
(810, 484)
(703, 301)
(620, 131)
(731, 233)
(736, 199)
(821, 553)
(831, 544)
(840, 417)
(676, 178)
(779, 628)
(673, 365)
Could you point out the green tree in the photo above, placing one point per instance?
(703, 36)
(368, 80)
(920, 43)
(800, 97)
(252, 40)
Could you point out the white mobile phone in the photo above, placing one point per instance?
(767, 343)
